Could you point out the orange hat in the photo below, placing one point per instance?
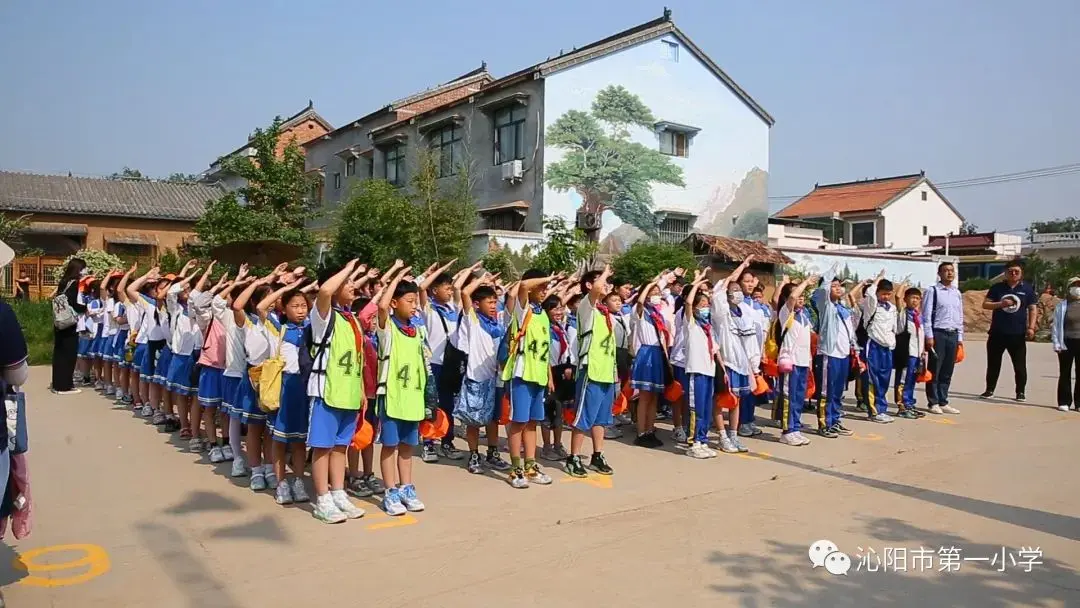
(364, 434)
(673, 392)
(169, 277)
(436, 429)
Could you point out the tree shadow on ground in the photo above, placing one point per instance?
(783, 576)
(263, 527)
(1064, 526)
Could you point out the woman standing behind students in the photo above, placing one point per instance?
(66, 340)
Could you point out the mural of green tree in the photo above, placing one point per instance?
(603, 165)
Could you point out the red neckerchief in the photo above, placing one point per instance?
(560, 334)
(607, 314)
(915, 316)
(358, 334)
(658, 322)
(707, 328)
(408, 330)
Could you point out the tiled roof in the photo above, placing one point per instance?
(33, 193)
(736, 250)
(962, 241)
(850, 197)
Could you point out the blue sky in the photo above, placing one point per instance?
(960, 88)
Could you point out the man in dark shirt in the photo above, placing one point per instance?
(1012, 324)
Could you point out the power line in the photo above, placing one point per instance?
(965, 183)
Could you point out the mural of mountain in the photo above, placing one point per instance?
(746, 214)
(620, 239)
(719, 200)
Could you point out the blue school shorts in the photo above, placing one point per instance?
(84, 346)
(291, 419)
(229, 387)
(594, 401)
(526, 401)
(394, 432)
(330, 427)
(211, 383)
(178, 378)
(161, 367)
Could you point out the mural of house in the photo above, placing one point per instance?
(638, 133)
(886, 213)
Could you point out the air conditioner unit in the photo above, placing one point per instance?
(512, 170)
(588, 221)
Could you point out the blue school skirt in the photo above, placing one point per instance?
(291, 419)
(96, 346)
(178, 378)
(738, 384)
(647, 373)
(229, 387)
(161, 368)
(84, 346)
(211, 384)
(119, 346)
(245, 405)
(138, 360)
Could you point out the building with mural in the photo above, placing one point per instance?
(639, 133)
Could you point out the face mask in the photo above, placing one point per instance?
(666, 292)
(84, 272)
(735, 297)
(1074, 292)
(654, 300)
(702, 314)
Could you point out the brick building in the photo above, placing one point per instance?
(135, 219)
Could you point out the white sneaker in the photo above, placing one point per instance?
(216, 455)
(679, 435)
(194, 444)
(283, 494)
(791, 439)
(726, 446)
(326, 511)
(698, 451)
(299, 493)
(239, 467)
(258, 480)
(226, 452)
(409, 499)
(271, 477)
(948, 409)
(802, 438)
(882, 418)
(342, 502)
(612, 432)
(936, 409)
(1063, 408)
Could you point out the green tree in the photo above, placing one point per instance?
(12, 229)
(565, 248)
(644, 260)
(446, 214)
(377, 224)
(603, 165)
(98, 261)
(1069, 224)
(968, 228)
(1037, 270)
(506, 263)
(127, 173)
(182, 177)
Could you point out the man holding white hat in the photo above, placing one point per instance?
(1011, 326)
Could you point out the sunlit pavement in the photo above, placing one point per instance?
(977, 508)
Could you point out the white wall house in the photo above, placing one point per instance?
(888, 213)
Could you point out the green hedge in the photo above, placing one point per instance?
(37, 326)
(977, 284)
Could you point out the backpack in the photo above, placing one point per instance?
(511, 342)
(64, 315)
(269, 383)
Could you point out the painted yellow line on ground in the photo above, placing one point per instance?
(939, 420)
(94, 559)
(604, 482)
(755, 455)
(393, 522)
(867, 437)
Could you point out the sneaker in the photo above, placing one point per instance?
(128, 399)
(450, 452)
(74, 391)
(474, 465)
(622, 419)
(258, 481)
(986, 395)
(1021, 397)
(842, 430)
(110, 391)
(726, 446)
(536, 475)
(147, 411)
(226, 451)
(517, 479)
(326, 512)
(918, 413)
(358, 487)
(948, 409)
(283, 494)
(408, 496)
(171, 425)
(573, 467)
(299, 493)
(936, 409)
(907, 414)
(698, 451)
(612, 432)
(749, 430)
(548, 453)
(561, 452)
(342, 502)
(119, 405)
(827, 432)
(882, 418)
(392, 503)
(599, 464)
(654, 441)
(861, 407)
(495, 462)
(428, 454)
(679, 435)
(802, 438)
(374, 483)
(1063, 408)
(239, 467)
(791, 439)
(216, 455)
(738, 444)
(194, 444)
(271, 477)
(159, 418)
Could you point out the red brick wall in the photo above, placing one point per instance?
(428, 103)
(304, 132)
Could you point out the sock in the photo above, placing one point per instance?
(234, 436)
(595, 455)
(529, 462)
(515, 461)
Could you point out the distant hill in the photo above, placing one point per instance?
(751, 197)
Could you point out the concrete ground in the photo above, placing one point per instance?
(151, 526)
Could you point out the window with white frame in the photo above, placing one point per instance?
(671, 50)
(864, 233)
(675, 138)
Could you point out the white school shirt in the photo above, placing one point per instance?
(736, 335)
(482, 364)
(677, 354)
(184, 334)
(880, 319)
(845, 339)
(154, 325)
(569, 357)
(235, 360)
(797, 337)
(256, 342)
(135, 314)
(644, 332)
(437, 332)
(121, 310)
(108, 319)
(916, 338)
(94, 313)
(700, 358)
